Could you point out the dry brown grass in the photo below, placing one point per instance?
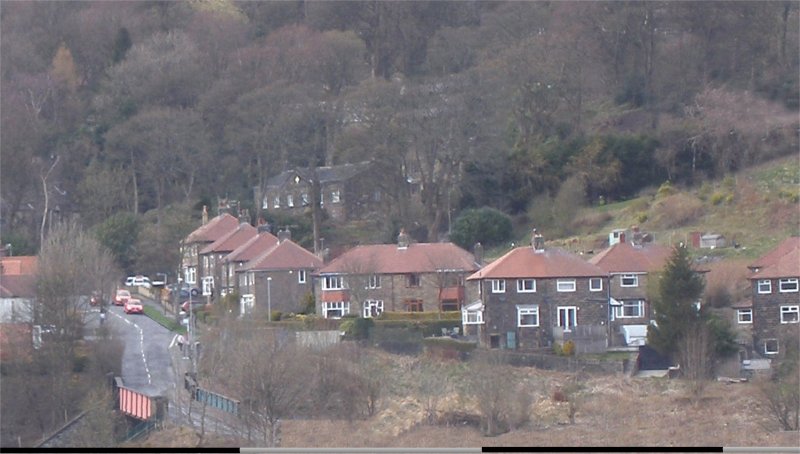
(674, 211)
(617, 411)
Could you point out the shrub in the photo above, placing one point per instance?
(485, 225)
(665, 190)
(356, 328)
(717, 198)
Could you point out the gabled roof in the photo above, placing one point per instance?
(252, 248)
(285, 255)
(389, 259)
(525, 262)
(627, 258)
(786, 246)
(788, 265)
(213, 229)
(324, 174)
(231, 240)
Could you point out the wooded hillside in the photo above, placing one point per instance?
(133, 115)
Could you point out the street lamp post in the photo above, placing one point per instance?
(269, 299)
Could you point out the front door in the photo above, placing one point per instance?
(567, 317)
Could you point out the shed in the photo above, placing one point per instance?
(712, 241)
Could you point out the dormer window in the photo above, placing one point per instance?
(297, 179)
(335, 196)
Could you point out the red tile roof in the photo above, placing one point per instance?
(231, 240)
(788, 265)
(786, 246)
(524, 262)
(284, 256)
(253, 248)
(17, 266)
(213, 229)
(389, 259)
(18, 276)
(627, 258)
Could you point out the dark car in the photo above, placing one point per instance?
(183, 291)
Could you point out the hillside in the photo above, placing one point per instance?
(755, 208)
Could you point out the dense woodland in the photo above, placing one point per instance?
(133, 115)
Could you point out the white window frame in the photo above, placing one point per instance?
(374, 281)
(593, 288)
(265, 203)
(472, 317)
(289, 201)
(633, 278)
(790, 310)
(767, 350)
(304, 199)
(619, 311)
(565, 285)
(191, 275)
(527, 310)
(764, 286)
(208, 285)
(276, 202)
(246, 304)
(301, 276)
(561, 322)
(523, 288)
(334, 282)
(498, 285)
(744, 316)
(335, 196)
(342, 307)
(788, 285)
(369, 304)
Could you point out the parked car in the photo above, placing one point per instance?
(96, 299)
(133, 306)
(138, 281)
(121, 297)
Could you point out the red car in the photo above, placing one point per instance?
(133, 306)
(121, 297)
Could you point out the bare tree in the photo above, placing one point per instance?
(695, 352)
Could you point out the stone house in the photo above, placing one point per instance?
(279, 279)
(775, 284)
(534, 296)
(262, 242)
(631, 271)
(212, 260)
(404, 277)
(208, 232)
(345, 192)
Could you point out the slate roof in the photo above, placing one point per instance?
(627, 258)
(327, 174)
(232, 239)
(286, 255)
(213, 229)
(525, 262)
(786, 246)
(253, 247)
(389, 259)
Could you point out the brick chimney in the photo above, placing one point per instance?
(477, 251)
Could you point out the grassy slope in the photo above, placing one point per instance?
(757, 208)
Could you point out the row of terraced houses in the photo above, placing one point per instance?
(530, 298)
